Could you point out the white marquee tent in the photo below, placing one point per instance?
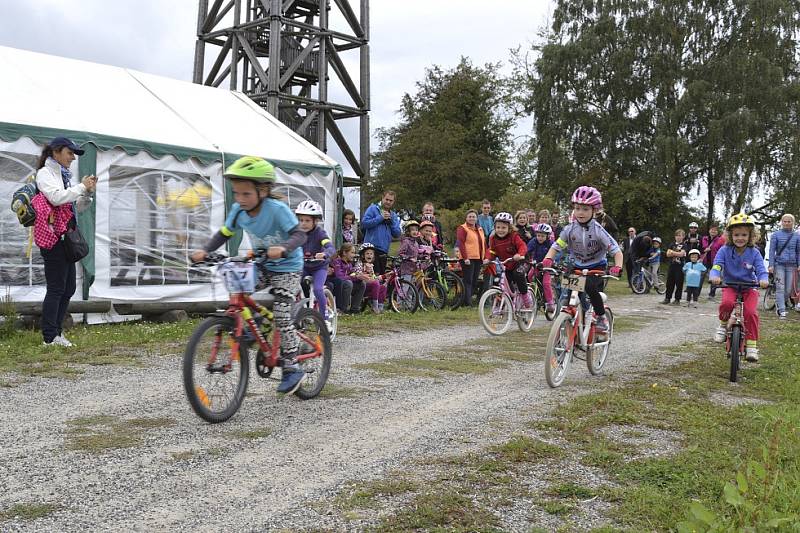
(158, 147)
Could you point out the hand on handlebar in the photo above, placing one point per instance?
(276, 252)
(615, 271)
(198, 256)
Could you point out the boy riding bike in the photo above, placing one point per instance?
(271, 226)
(587, 244)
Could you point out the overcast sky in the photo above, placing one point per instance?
(158, 37)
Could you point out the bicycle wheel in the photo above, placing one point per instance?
(596, 355)
(638, 283)
(314, 339)
(558, 354)
(432, 295)
(496, 311)
(735, 351)
(214, 377)
(768, 302)
(525, 319)
(404, 300)
(333, 314)
(661, 287)
(455, 290)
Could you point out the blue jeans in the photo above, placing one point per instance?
(784, 284)
(59, 274)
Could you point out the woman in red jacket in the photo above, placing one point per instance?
(472, 248)
(505, 243)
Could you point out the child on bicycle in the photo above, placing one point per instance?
(654, 258)
(739, 261)
(588, 244)
(317, 252)
(375, 291)
(425, 245)
(409, 250)
(273, 227)
(693, 273)
(537, 251)
(504, 244)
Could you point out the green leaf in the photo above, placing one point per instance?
(688, 527)
(700, 512)
(775, 522)
(741, 482)
(732, 495)
(758, 470)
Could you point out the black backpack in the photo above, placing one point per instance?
(21, 202)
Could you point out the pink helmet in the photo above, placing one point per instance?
(587, 196)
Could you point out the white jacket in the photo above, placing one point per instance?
(49, 183)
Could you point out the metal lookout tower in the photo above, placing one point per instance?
(280, 53)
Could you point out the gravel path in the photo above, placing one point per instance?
(187, 475)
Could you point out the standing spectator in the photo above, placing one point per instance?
(53, 180)
(709, 244)
(626, 249)
(555, 223)
(381, 225)
(693, 238)
(693, 272)
(349, 228)
(486, 219)
(639, 251)
(784, 261)
(472, 250)
(676, 257)
(523, 229)
(606, 221)
(429, 214)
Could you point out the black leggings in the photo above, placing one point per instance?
(518, 279)
(594, 284)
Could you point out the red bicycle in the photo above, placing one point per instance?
(216, 365)
(736, 334)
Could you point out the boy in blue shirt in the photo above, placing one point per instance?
(693, 272)
(271, 226)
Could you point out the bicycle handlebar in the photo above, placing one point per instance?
(739, 286)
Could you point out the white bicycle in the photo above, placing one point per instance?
(307, 299)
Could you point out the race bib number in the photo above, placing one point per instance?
(574, 283)
(240, 277)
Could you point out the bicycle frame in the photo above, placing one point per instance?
(507, 288)
(581, 331)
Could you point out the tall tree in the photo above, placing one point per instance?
(451, 144)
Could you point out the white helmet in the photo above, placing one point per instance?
(308, 207)
(694, 251)
(693, 225)
(657, 239)
(504, 217)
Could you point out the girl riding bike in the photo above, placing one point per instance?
(271, 226)
(317, 252)
(588, 244)
(537, 251)
(505, 243)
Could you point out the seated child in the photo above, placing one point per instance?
(375, 290)
(348, 288)
(409, 250)
(425, 244)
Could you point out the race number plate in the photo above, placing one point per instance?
(574, 283)
(240, 277)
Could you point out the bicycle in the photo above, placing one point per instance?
(502, 303)
(439, 271)
(736, 333)
(537, 286)
(769, 302)
(643, 281)
(308, 300)
(216, 364)
(432, 294)
(572, 329)
(401, 294)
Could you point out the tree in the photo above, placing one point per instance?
(451, 145)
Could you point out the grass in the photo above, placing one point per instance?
(115, 344)
(101, 433)
(368, 324)
(366, 496)
(29, 511)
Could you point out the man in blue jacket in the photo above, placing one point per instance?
(380, 225)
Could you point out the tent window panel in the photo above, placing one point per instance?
(294, 194)
(16, 268)
(157, 218)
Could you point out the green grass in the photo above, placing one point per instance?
(116, 344)
(365, 496)
(29, 511)
(100, 433)
(368, 324)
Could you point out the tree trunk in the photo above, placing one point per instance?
(742, 196)
(710, 192)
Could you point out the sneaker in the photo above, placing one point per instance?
(329, 326)
(291, 379)
(601, 326)
(676, 302)
(797, 307)
(59, 340)
(751, 354)
(782, 314)
(551, 308)
(665, 302)
(720, 334)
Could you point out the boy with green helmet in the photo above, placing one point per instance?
(272, 227)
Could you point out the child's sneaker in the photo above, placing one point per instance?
(797, 307)
(601, 326)
(374, 305)
(781, 315)
(551, 308)
(721, 334)
(665, 302)
(59, 340)
(527, 302)
(292, 377)
(751, 354)
(329, 326)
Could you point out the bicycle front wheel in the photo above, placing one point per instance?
(661, 287)
(432, 295)
(598, 352)
(735, 351)
(404, 299)
(638, 284)
(455, 290)
(768, 302)
(496, 311)
(558, 354)
(215, 374)
(315, 354)
(525, 318)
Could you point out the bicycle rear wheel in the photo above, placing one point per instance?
(496, 311)
(455, 290)
(768, 302)
(638, 283)
(314, 339)
(596, 355)
(404, 300)
(735, 351)
(558, 354)
(661, 287)
(525, 319)
(432, 295)
(214, 376)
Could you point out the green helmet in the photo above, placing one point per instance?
(251, 168)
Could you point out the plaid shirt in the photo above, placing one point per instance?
(51, 221)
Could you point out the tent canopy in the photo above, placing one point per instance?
(44, 95)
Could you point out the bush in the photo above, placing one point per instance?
(8, 315)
